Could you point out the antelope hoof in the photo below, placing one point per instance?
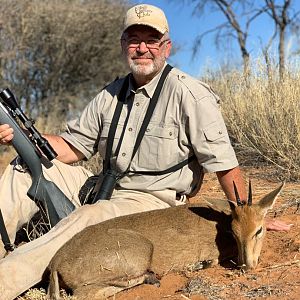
(152, 279)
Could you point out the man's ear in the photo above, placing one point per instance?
(168, 48)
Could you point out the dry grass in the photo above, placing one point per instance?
(263, 117)
(40, 294)
(199, 285)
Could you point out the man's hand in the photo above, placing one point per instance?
(6, 134)
(277, 225)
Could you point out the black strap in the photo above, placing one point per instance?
(151, 108)
(4, 235)
(117, 113)
(148, 115)
(166, 171)
(114, 124)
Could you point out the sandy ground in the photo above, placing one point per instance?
(277, 275)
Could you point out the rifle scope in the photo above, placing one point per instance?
(9, 100)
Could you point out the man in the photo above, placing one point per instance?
(186, 122)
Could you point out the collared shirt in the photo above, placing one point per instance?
(187, 120)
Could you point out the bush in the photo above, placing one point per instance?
(263, 117)
(56, 54)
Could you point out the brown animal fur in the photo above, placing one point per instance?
(117, 254)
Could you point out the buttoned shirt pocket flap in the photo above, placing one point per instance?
(156, 151)
(168, 132)
(214, 132)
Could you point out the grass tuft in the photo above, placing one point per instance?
(262, 114)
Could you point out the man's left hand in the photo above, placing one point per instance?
(277, 225)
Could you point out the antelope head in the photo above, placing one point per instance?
(248, 225)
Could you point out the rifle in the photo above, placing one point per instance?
(30, 148)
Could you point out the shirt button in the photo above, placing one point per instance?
(123, 154)
(137, 104)
(182, 77)
(130, 129)
(220, 132)
(147, 129)
(170, 133)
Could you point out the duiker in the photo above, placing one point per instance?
(120, 253)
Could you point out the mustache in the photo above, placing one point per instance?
(142, 56)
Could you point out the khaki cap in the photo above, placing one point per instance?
(149, 15)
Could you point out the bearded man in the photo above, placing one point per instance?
(156, 167)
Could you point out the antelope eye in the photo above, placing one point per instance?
(259, 231)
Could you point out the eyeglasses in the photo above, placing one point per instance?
(150, 44)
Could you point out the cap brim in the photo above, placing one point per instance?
(157, 28)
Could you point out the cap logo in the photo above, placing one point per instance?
(142, 11)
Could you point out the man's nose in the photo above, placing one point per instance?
(142, 48)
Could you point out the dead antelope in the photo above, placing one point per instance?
(120, 253)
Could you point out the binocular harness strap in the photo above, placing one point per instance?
(112, 130)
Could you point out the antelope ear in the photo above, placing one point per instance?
(268, 201)
(217, 204)
(232, 205)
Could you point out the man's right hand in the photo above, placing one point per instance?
(6, 134)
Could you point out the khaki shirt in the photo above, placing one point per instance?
(186, 120)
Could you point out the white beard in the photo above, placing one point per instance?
(146, 69)
(140, 69)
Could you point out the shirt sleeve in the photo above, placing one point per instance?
(83, 132)
(207, 131)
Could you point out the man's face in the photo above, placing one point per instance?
(145, 50)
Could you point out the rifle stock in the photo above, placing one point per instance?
(41, 190)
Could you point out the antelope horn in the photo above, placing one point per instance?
(250, 194)
(237, 196)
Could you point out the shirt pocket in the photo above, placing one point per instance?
(216, 135)
(159, 147)
(104, 138)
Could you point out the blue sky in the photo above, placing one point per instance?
(184, 27)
